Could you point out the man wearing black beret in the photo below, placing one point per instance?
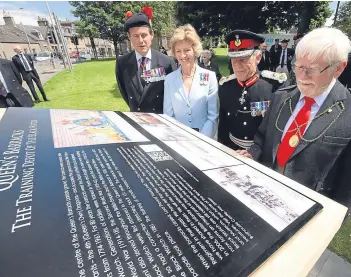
(245, 95)
(140, 74)
(286, 55)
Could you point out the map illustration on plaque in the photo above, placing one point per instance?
(79, 127)
(102, 193)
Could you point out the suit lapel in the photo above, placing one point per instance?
(284, 118)
(154, 64)
(132, 68)
(319, 125)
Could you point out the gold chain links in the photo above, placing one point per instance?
(310, 121)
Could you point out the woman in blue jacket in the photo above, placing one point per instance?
(191, 92)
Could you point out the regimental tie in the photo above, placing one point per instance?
(142, 68)
(294, 133)
(282, 62)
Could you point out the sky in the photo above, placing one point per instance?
(27, 12)
(32, 9)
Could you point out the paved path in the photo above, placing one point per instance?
(46, 71)
(330, 265)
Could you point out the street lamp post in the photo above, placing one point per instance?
(24, 30)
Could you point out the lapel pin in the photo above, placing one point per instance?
(330, 110)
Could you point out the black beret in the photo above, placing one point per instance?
(137, 20)
(285, 40)
(243, 43)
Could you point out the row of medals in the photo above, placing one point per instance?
(293, 141)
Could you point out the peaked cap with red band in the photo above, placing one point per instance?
(242, 43)
(142, 19)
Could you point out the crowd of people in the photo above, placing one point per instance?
(285, 109)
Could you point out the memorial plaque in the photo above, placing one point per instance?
(91, 193)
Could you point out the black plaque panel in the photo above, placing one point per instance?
(115, 209)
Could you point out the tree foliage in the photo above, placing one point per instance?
(343, 21)
(108, 17)
(215, 18)
(86, 29)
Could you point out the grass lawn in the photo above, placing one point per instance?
(93, 86)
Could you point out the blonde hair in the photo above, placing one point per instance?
(187, 33)
(328, 44)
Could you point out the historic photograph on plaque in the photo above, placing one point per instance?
(101, 193)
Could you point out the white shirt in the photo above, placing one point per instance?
(148, 62)
(319, 100)
(3, 81)
(25, 62)
(285, 57)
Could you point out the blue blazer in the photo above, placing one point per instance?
(198, 109)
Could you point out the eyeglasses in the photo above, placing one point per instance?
(309, 71)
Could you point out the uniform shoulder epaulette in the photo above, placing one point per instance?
(226, 79)
(288, 88)
(280, 77)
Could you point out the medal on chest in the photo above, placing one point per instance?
(242, 98)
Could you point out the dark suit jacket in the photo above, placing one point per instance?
(265, 62)
(275, 55)
(20, 67)
(150, 98)
(213, 67)
(323, 165)
(291, 54)
(16, 96)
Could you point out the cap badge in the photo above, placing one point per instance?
(237, 41)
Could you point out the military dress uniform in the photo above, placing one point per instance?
(141, 78)
(244, 104)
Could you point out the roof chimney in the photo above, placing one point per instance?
(9, 21)
(42, 21)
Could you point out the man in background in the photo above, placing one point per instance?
(265, 62)
(275, 54)
(25, 66)
(207, 63)
(285, 57)
(12, 94)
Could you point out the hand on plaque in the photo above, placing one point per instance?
(244, 153)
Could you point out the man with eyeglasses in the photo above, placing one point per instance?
(306, 133)
(245, 95)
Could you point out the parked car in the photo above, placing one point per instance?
(43, 56)
(84, 55)
(74, 55)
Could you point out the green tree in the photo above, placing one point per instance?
(108, 17)
(88, 30)
(215, 18)
(343, 20)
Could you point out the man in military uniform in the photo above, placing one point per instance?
(140, 74)
(244, 96)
